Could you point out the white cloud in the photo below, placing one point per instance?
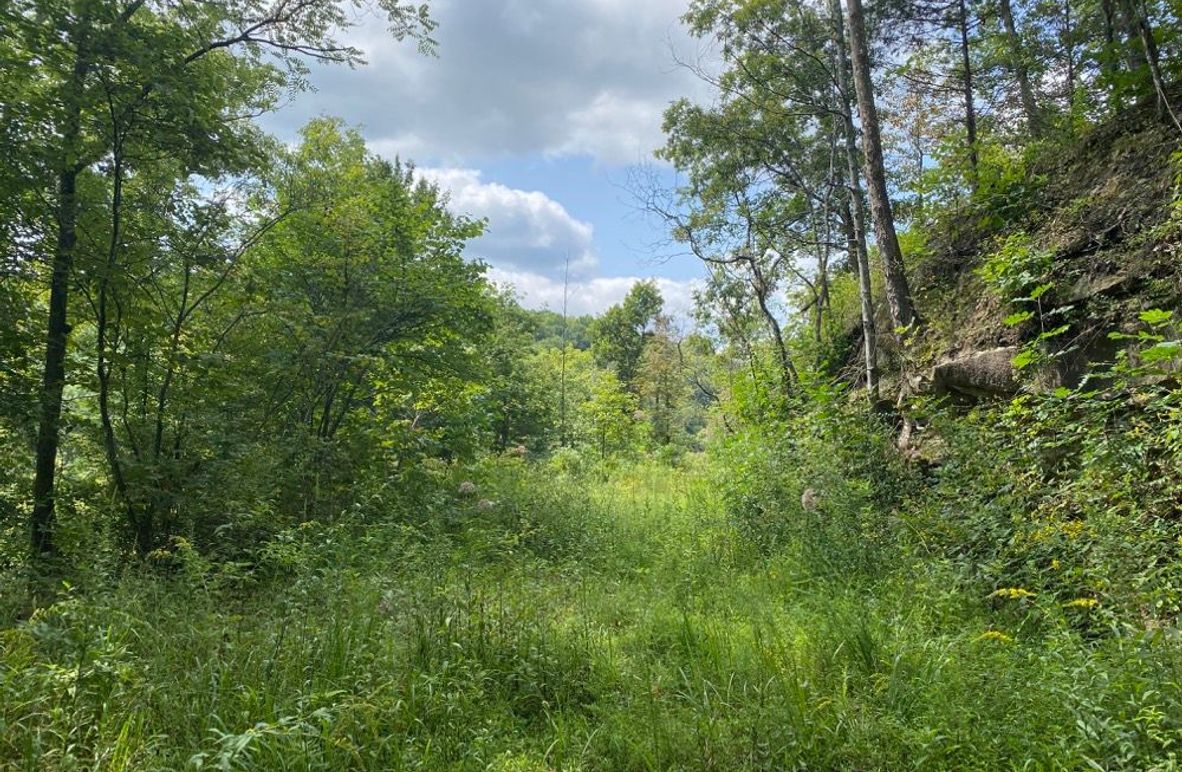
(614, 127)
(528, 239)
(556, 77)
(591, 296)
(527, 230)
(519, 79)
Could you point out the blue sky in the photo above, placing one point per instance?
(532, 115)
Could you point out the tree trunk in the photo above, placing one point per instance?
(897, 291)
(1140, 20)
(1134, 52)
(1069, 52)
(862, 264)
(970, 109)
(43, 516)
(1020, 70)
(854, 213)
(787, 369)
(1109, 62)
(103, 331)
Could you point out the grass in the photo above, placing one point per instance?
(596, 624)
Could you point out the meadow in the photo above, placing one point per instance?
(609, 620)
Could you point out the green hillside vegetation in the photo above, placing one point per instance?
(287, 483)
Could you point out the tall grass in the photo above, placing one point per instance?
(577, 623)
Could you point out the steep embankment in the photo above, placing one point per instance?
(1082, 240)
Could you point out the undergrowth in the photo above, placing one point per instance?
(523, 618)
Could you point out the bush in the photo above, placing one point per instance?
(823, 480)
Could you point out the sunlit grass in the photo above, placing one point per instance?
(608, 624)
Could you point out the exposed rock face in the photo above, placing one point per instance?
(1088, 287)
(978, 374)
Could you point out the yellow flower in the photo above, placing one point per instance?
(1084, 603)
(995, 635)
(1055, 566)
(1013, 593)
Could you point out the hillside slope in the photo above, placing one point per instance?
(1097, 231)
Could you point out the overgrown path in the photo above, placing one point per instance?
(546, 621)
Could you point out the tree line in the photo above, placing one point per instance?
(205, 333)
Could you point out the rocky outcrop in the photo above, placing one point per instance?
(977, 374)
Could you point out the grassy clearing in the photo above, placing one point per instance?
(611, 623)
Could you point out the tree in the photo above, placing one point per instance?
(661, 382)
(105, 65)
(519, 406)
(619, 335)
(368, 300)
(1017, 62)
(898, 291)
(854, 212)
(609, 419)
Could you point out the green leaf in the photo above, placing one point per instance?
(1055, 332)
(1025, 358)
(1040, 290)
(1155, 317)
(1161, 352)
(1013, 320)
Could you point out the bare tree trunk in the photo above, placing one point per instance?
(788, 373)
(43, 516)
(1139, 19)
(103, 331)
(787, 369)
(970, 108)
(869, 335)
(897, 290)
(854, 213)
(1069, 52)
(1021, 72)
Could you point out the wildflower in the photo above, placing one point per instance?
(1082, 603)
(1013, 593)
(995, 635)
(159, 554)
(467, 488)
(484, 505)
(1055, 565)
(307, 525)
(520, 450)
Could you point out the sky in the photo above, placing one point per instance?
(535, 114)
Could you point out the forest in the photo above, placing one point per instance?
(288, 481)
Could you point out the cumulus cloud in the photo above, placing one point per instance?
(591, 296)
(557, 77)
(525, 79)
(528, 239)
(527, 230)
